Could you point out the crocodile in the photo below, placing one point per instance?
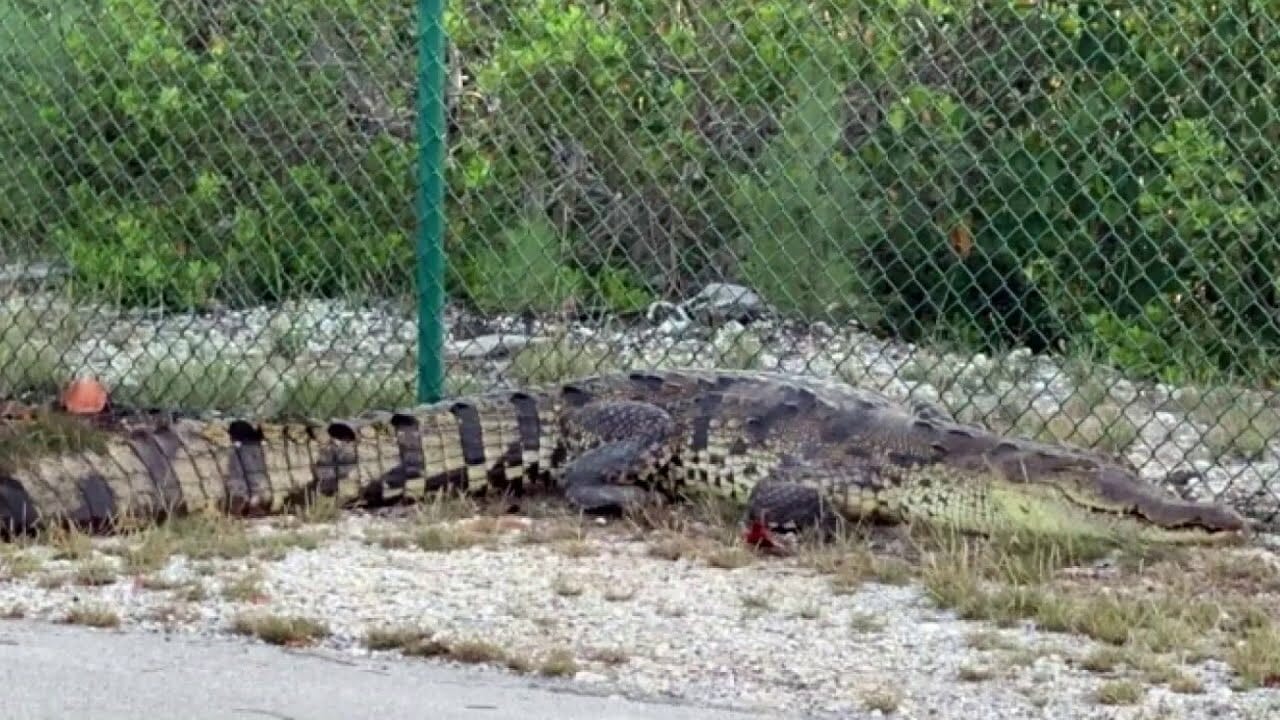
(796, 452)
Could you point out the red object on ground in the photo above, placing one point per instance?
(758, 534)
(84, 396)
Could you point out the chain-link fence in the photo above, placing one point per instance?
(210, 205)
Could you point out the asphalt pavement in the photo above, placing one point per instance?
(63, 672)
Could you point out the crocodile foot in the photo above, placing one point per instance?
(779, 511)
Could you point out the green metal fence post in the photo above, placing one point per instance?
(430, 242)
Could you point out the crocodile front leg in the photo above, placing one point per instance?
(617, 447)
(790, 507)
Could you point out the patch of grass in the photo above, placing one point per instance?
(288, 630)
(865, 622)
(1104, 660)
(92, 615)
(1119, 692)
(276, 545)
(95, 572)
(205, 537)
(388, 539)
(69, 544)
(475, 652)
(19, 564)
(729, 557)
(971, 672)
(1256, 658)
(396, 637)
(673, 547)
(443, 538)
(558, 663)
(46, 433)
(989, 640)
(1184, 683)
(885, 699)
(246, 588)
(319, 509)
(13, 612)
(149, 553)
(443, 507)
(1144, 613)
(576, 549)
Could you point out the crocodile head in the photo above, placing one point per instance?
(1109, 502)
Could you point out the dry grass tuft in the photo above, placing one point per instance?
(560, 662)
(92, 615)
(287, 630)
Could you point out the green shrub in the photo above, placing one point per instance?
(1054, 174)
(192, 156)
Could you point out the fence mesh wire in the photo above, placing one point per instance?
(1052, 218)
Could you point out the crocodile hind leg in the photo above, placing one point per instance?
(617, 447)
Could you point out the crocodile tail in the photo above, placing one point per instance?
(241, 468)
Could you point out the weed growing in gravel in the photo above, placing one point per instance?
(1185, 683)
(279, 629)
(246, 588)
(576, 549)
(46, 433)
(475, 652)
(92, 615)
(885, 699)
(69, 543)
(729, 557)
(865, 622)
(442, 538)
(972, 672)
(95, 572)
(1256, 658)
(1144, 613)
(560, 662)
(394, 637)
(19, 564)
(1119, 692)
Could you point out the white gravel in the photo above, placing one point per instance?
(770, 636)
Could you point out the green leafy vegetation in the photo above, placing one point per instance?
(1061, 175)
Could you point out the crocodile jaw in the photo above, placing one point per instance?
(1050, 511)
